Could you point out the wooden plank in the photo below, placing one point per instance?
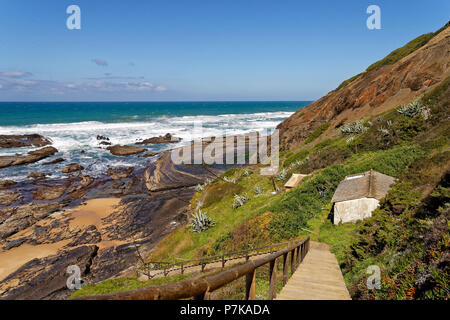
(318, 277)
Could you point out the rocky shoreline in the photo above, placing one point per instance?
(37, 220)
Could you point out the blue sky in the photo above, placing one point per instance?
(198, 50)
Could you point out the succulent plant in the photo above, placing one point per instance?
(228, 179)
(411, 109)
(354, 127)
(201, 222)
(384, 131)
(258, 190)
(239, 200)
(247, 173)
(350, 139)
(282, 175)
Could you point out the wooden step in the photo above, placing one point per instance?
(317, 278)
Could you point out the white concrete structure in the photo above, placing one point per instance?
(358, 195)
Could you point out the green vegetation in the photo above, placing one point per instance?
(317, 132)
(398, 54)
(407, 236)
(402, 52)
(346, 82)
(123, 284)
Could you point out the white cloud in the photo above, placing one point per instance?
(100, 62)
(15, 74)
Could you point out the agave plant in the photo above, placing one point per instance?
(295, 164)
(247, 173)
(201, 222)
(258, 190)
(384, 131)
(208, 182)
(411, 109)
(230, 180)
(354, 127)
(282, 175)
(239, 200)
(350, 139)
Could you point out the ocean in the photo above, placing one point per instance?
(73, 127)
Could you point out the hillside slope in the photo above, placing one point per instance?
(374, 91)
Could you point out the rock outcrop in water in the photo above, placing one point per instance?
(168, 138)
(73, 167)
(6, 184)
(125, 150)
(33, 156)
(26, 140)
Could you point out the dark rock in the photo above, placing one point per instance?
(46, 278)
(105, 143)
(49, 193)
(33, 156)
(13, 220)
(100, 137)
(163, 174)
(149, 154)
(86, 181)
(14, 243)
(37, 176)
(7, 198)
(6, 184)
(57, 160)
(89, 236)
(27, 140)
(73, 167)
(119, 173)
(125, 150)
(168, 138)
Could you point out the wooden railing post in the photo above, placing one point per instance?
(182, 268)
(250, 285)
(273, 279)
(292, 262)
(303, 252)
(298, 255)
(205, 296)
(223, 260)
(285, 269)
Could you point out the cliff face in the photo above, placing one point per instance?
(373, 92)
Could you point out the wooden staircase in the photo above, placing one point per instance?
(317, 278)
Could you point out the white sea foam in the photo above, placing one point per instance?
(71, 138)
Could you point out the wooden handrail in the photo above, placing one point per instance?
(201, 288)
(185, 264)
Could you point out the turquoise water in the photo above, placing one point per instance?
(74, 126)
(26, 113)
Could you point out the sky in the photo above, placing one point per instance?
(178, 50)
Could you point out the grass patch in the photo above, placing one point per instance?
(317, 132)
(123, 284)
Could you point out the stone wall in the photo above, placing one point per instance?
(354, 210)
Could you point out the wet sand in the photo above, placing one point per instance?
(93, 212)
(12, 259)
(83, 216)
